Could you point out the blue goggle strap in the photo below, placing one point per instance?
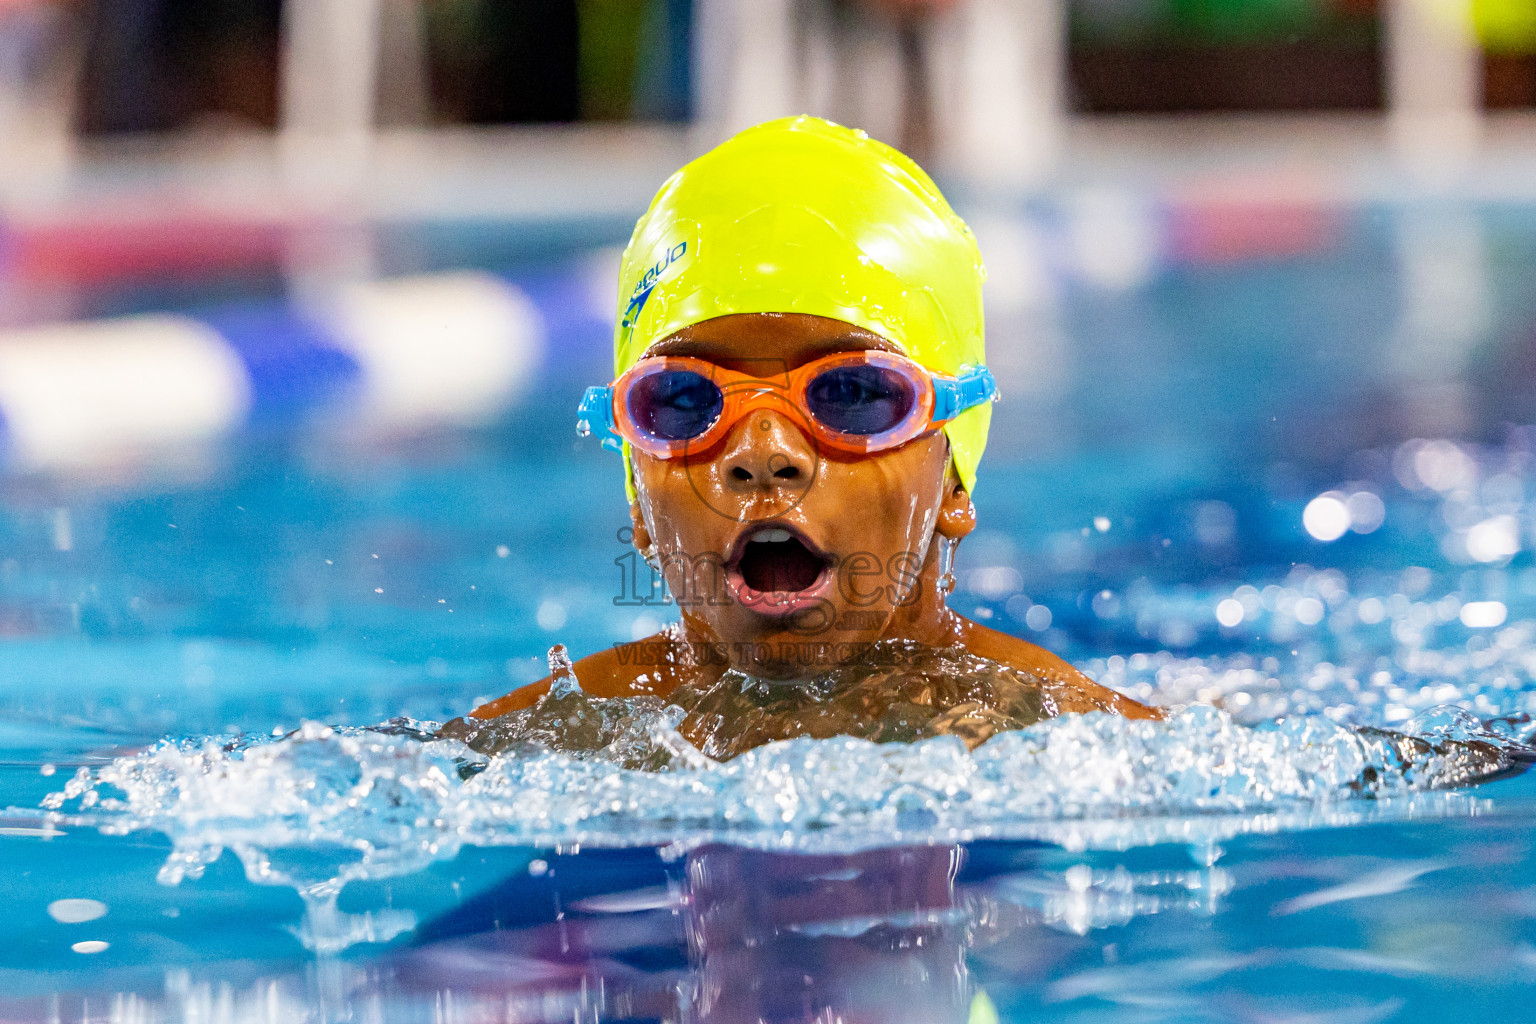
(972, 386)
(595, 416)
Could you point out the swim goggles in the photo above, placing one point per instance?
(857, 402)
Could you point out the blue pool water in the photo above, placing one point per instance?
(1287, 495)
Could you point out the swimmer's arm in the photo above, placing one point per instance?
(1074, 691)
(626, 670)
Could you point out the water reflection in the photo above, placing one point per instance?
(728, 935)
(875, 936)
(1332, 924)
(724, 935)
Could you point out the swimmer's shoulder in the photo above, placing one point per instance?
(642, 667)
(1074, 691)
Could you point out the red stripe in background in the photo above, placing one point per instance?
(104, 250)
(1252, 218)
(1233, 232)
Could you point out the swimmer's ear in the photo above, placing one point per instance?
(641, 537)
(957, 516)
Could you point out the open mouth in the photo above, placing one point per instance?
(773, 562)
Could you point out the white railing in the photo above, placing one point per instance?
(1434, 80)
(994, 79)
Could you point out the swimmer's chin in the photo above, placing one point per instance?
(800, 660)
(781, 673)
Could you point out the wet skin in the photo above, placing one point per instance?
(870, 528)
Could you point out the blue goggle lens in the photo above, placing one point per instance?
(675, 405)
(861, 400)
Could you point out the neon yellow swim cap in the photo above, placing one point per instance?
(1504, 26)
(801, 215)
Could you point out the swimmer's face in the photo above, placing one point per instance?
(789, 556)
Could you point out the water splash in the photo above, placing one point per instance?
(898, 692)
(798, 769)
(324, 806)
(562, 672)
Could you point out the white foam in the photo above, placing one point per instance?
(323, 806)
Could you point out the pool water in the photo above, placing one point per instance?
(1220, 486)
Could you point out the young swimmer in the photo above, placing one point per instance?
(802, 401)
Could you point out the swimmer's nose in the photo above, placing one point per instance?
(765, 450)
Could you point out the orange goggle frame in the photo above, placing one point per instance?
(934, 399)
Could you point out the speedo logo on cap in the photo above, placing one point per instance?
(670, 257)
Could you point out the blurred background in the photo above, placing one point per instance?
(297, 300)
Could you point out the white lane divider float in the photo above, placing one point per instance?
(76, 394)
(448, 349)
